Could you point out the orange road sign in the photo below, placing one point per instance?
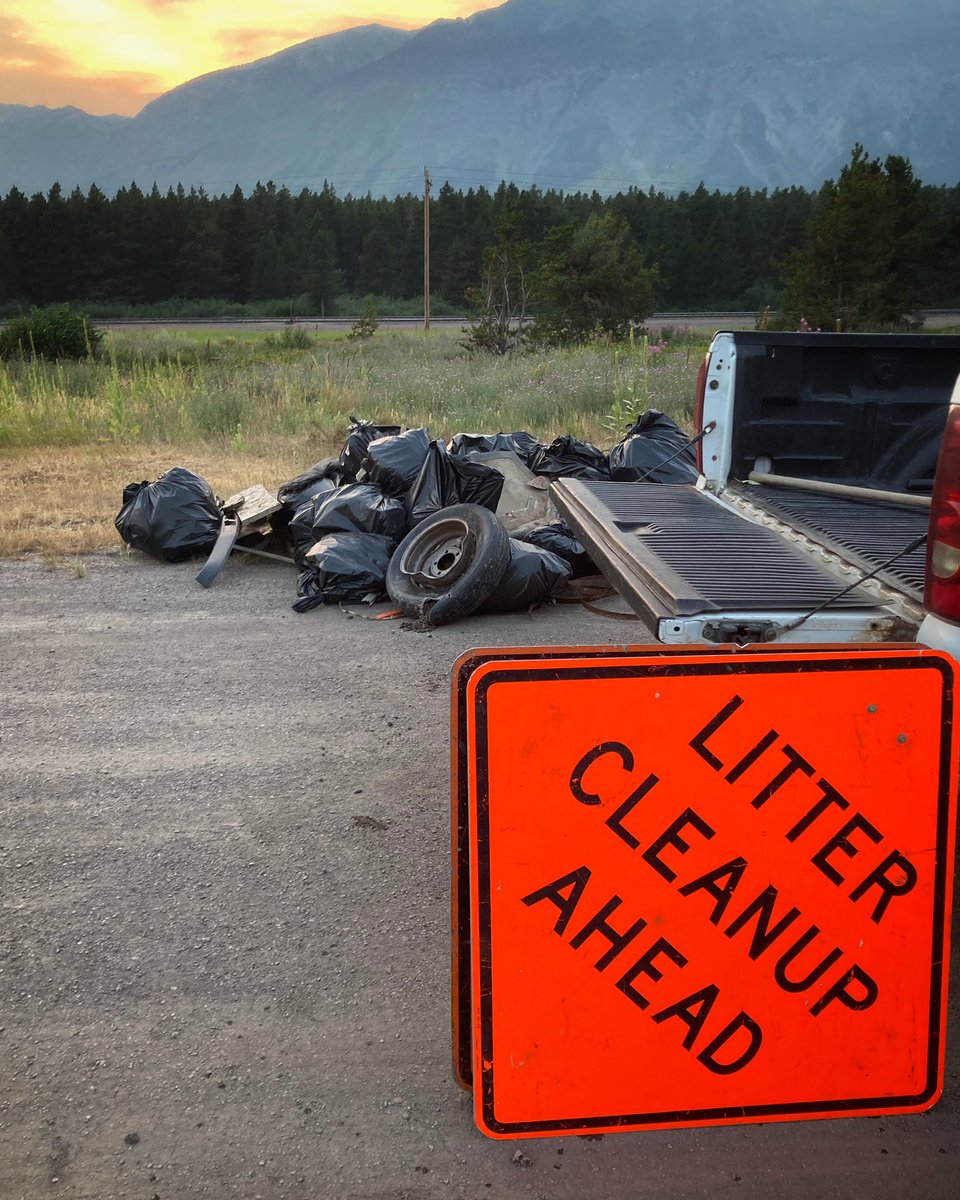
(463, 668)
(706, 888)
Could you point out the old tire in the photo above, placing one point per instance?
(446, 567)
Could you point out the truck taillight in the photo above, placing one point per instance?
(942, 586)
(698, 406)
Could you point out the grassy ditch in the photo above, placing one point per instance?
(242, 410)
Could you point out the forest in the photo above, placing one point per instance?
(318, 253)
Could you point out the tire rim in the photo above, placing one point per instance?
(436, 559)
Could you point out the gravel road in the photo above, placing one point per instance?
(224, 956)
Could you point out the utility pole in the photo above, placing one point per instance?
(426, 249)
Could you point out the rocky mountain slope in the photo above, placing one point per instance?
(573, 94)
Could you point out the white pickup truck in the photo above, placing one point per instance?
(823, 464)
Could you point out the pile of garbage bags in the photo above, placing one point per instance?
(396, 495)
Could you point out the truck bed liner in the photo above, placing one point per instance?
(865, 534)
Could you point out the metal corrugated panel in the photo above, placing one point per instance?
(866, 534)
(674, 551)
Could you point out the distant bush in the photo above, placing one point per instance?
(291, 337)
(55, 332)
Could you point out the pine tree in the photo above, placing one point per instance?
(857, 268)
(324, 280)
(591, 280)
(377, 262)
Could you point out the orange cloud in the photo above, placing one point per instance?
(33, 74)
(118, 54)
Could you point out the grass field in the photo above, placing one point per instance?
(261, 408)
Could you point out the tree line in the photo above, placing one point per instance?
(702, 249)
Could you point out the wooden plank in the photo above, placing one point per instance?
(255, 506)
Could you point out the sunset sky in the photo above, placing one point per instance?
(113, 56)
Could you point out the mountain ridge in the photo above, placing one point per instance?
(576, 94)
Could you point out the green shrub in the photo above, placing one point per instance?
(365, 325)
(55, 332)
(291, 337)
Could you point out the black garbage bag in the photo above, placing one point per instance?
(435, 487)
(359, 508)
(478, 483)
(301, 530)
(359, 437)
(643, 450)
(533, 576)
(523, 444)
(344, 568)
(318, 480)
(173, 518)
(394, 462)
(352, 508)
(444, 481)
(323, 476)
(559, 539)
(566, 456)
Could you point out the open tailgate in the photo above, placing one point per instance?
(697, 571)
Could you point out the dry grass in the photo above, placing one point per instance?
(260, 411)
(61, 501)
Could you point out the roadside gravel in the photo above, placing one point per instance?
(224, 854)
